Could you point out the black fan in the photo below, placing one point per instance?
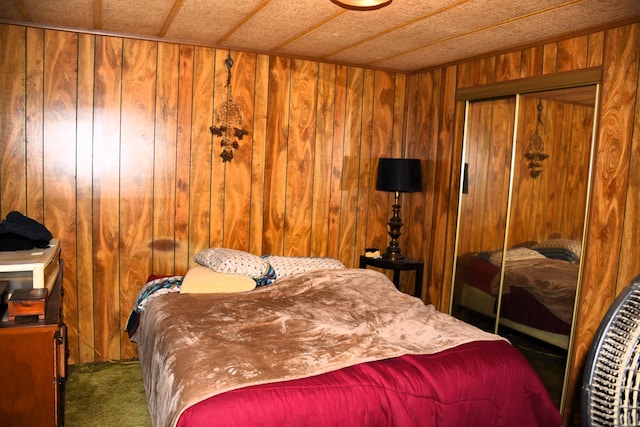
(611, 384)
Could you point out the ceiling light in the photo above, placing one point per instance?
(362, 4)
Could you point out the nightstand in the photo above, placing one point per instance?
(397, 266)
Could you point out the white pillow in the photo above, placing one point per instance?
(288, 265)
(203, 280)
(223, 260)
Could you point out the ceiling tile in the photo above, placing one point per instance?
(407, 35)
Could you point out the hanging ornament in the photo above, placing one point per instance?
(535, 152)
(228, 120)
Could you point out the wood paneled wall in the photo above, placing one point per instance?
(435, 131)
(106, 141)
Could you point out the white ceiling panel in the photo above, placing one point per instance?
(407, 35)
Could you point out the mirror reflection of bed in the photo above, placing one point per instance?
(522, 209)
(537, 301)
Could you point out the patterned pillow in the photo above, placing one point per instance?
(514, 254)
(574, 246)
(223, 260)
(286, 266)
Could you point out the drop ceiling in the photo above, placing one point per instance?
(406, 36)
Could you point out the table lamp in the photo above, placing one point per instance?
(397, 176)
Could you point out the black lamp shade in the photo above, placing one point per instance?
(402, 175)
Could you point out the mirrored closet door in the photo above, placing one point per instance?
(526, 168)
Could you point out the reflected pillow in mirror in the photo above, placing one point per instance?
(570, 245)
(514, 255)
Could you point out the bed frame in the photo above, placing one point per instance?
(483, 303)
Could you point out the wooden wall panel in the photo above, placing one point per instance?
(13, 171)
(399, 138)
(550, 58)
(483, 72)
(276, 155)
(594, 49)
(631, 231)
(165, 158)
(205, 181)
(508, 66)
(425, 110)
(532, 59)
(351, 153)
(323, 152)
(106, 185)
(568, 57)
(422, 109)
(442, 226)
(183, 163)
(258, 157)
(337, 161)
(301, 157)
(55, 160)
(139, 84)
(78, 298)
(213, 75)
(237, 173)
(383, 132)
(33, 129)
(364, 165)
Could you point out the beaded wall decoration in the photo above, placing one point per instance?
(535, 152)
(228, 121)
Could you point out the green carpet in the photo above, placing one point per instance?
(105, 394)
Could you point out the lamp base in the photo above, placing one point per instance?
(392, 256)
(393, 226)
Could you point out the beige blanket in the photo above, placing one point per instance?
(192, 347)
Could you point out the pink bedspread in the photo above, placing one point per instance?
(477, 384)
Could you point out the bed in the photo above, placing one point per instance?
(325, 347)
(539, 287)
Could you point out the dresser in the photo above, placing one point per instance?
(33, 364)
